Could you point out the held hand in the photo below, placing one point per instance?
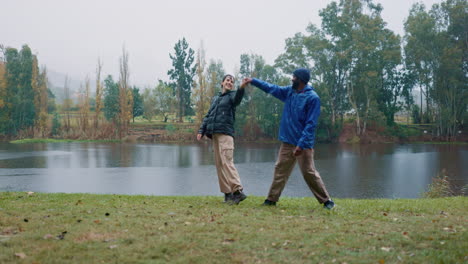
(297, 151)
(199, 136)
(245, 82)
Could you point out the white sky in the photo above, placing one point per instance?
(69, 35)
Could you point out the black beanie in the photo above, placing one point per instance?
(303, 74)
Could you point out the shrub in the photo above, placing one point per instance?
(440, 187)
(170, 128)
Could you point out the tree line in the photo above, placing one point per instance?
(362, 71)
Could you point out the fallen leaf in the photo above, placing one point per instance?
(385, 214)
(449, 229)
(30, 193)
(386, 249)
(113, 246)
(228, 241)
(187, 223)
(97, 221)
(381, 261)
(48, 236)
(20, 255)
(405, 233)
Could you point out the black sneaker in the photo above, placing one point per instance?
(329, 204)
(227, 197)
(269, 203)
(237, 197)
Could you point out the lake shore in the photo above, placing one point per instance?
(89, 228)
(186, 133)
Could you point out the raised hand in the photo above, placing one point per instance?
(245, 82)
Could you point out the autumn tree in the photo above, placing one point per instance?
(125, 95)
(214, 77)
(200, 90)
(67, 104)
(39, 84)
(99, 93)
(84, 107)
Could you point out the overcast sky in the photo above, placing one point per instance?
(69, 36)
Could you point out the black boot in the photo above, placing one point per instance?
(238, 196)
(227, 197)
(269, 203)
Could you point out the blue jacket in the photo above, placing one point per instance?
(300, 113)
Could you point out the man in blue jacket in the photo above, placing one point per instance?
(297, 134)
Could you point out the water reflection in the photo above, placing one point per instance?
(358, 171)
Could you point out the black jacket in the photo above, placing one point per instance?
(220, 118)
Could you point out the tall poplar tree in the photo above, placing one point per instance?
(99, 92)
(125, 95)
(200, 93)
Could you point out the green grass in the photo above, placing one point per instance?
(50, 140)
(155, 229)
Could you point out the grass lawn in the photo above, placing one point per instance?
(88, 228)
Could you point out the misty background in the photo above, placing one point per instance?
(69, 36)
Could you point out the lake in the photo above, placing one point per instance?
(349, 171)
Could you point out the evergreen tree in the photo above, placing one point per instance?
(19, 113)
(111, 100)
(182, 75)
(137, 103)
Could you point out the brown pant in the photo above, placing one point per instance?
(229, 180)
(284, 166)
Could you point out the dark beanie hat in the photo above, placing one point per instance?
(303, 74)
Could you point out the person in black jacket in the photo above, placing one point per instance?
(218, 125)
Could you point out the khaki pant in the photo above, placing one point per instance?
(229, 180)
(284, 166)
